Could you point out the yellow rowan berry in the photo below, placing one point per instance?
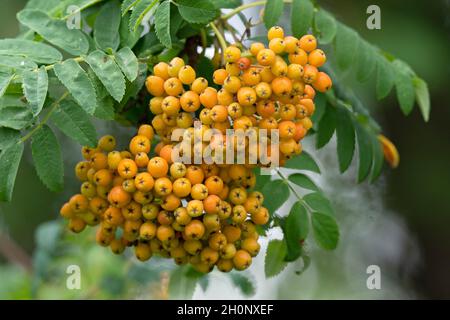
(161, 69)
(186, 75)
(174, 66)
(232, 54)
(275, 32)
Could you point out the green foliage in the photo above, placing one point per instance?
(423, 97)
(303, 162)
(9, 164)
(274, 261)
(345, 133)
(303, 181)
(326, 231)
(141, 8)
(277, 191)
(194, 11)
(296, 230)
(272, 12)
(302, 13)
(35, 86)
(36, 51)
(106, 28)
(244, 283)
(162, 24)
(325, 26)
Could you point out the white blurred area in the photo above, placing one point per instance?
(371, 234)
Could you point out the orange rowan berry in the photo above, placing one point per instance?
(290, 44)
(211, 204)
(155, 105)
(163, 186)
(300, 132)
(66, 211)
(165, 233)
(76, 225)
(118, 197)
(173, 86)
(190, 101)
(79, 203)
(295, 71)
(281, 86)
(155, 85)
(288, 146)
(256, 47)
(265, 108)
(208, 97)
(107, 143)
(214, 185)
(277, 45)
(323, 82)
(186, 74)
(192, 246)
(199, 85)
(103, 177)
(246, 96)
(251, 76)
(170, 202)
(161, 69)
(298, 57)
(219, 76)
(194, 230)
(228, 251)
(195, 175)
(140, 144)
(144, 181)
(170, 105)
(232, 68)
(251, 246)
(141, 159)
(224, 97)
(113, 216)
(266, 74)
(174, 66)
(263, 90)
(81, 170)
(308, 43)
(199, 191)
(166, 153)
(242, 260)
(88, 152)
(286, 129)
(219, 113)
(129, 185)
(244, 63)
(317, 58)
(209, 256)
(224, 265)
(99, 161)
(232, 233)
(132, 211)
(147, 231)
(232, 84)
(252, 205)
(158, 167)
(265, 57)
(127, 168)
(102, 191)
(260, 216)
(232, 54)
(310, 74)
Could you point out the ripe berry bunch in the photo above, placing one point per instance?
(263, 88)
(202, 215)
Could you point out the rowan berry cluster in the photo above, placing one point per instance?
(263, 88)
(201, 215)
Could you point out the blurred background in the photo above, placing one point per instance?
(401, 223)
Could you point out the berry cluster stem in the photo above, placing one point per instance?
(220, 37)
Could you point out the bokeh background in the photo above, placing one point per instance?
(401, 223)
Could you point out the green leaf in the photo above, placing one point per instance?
(345, 133)
(71, 119)
(106, 27)
(306, 263)
(127, 5)
(295, 231)
(274, 261)
(162, 24)
(128, 38)
(303, 162)
(326, 26)
(272, 12)
(35, 86)
(5, 80)
(378, 158)
(36, 51)
(105, 109)
(302, 14)
(303, 181)
(47, 158)
(422, 97)
(326, 230)
(9, 164)
(226, 4)
(276, 192)
(244, 284)
(365, 151)
(55, 31)
(180, 285)
(205, 69)
(141, 8)
(318, 202)
(8, 137)
(75, 79)
(404, 86)
(108, 72)
(327, 126)
(320, 102)
(18, 63)
(385, 77)
(15, 117)
(346, 46)
(366, 61)
(194, 11)
(128, 63)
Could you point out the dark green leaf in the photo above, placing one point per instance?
(205, 69)
(75, 79)
(47, 158)
(227, 4)
(320, 102)
(180, 285)
(326, 26)
(378, 158)
(108, 72)
(128, 63)
(274, 261)
(318, 202)
(296, 230)
(35, 86)
(71, 119)
(15, 117)
(302, 14)
(422, 97)
(140, 10)
(127, 5)
(272, 12)
(55, 31)
(244, 284)
(36, 51)
(327, 126)
(346, 45)
(105, 109)
(303, 162)
(195, 11)
(303, 181)
(17, 63)
(129, 38)
(326, 230)
(404, 86)
(276, 192)
(365, 151)
(345, 133)
(385, 77)
(162, 24)
(8, 137)
(106, 28)
(5, 80)
(366, 61)
(9, 164)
